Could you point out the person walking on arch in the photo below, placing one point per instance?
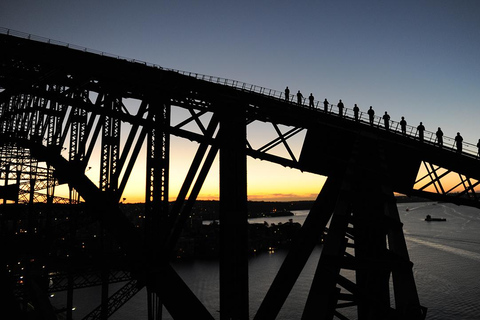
(386, 120)
(311, 99)
(299, 97)
(287, 94)
(340, 108)
(458, 142)
(439, 134)
(420, 130)
(403, 126)
(478, 147)
(355, 112)
(325, 105)
(371, 114)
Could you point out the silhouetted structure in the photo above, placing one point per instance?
(58, 105)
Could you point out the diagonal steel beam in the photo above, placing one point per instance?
(432, 180)
(173, 291)
(300, 251)
(194, 167)
(195, 117)
(282, 138)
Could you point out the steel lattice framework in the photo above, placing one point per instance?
(60, 105)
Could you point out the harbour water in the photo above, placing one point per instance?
(446, 257)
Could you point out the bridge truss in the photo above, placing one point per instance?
(62, 109)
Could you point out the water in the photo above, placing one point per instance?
(446, 257)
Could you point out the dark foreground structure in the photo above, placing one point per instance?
(63, 107)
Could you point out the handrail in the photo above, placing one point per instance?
(469, 149)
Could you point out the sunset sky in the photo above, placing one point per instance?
(412, 58)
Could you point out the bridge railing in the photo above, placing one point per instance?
(429, 137)
(469, 149)
(29, 36)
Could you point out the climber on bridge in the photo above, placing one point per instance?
(287, 94)
(371, 114)
(420, 130)
(439, 137)
(299, 97)
(311, 99)
(403, 126)
(325, 105)
(386, 120)
(355, 112)
(478, 147)
(458, 142)
(340, 108)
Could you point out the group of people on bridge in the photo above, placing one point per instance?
(386, 119)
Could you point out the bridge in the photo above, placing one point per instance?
(62, 107)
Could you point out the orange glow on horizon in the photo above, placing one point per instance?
(265, 182)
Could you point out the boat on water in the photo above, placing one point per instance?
(429, 218)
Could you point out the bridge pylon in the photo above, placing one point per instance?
(364, 253)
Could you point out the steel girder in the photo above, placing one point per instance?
(444, 184)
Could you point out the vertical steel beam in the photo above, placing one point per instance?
(7, 172)
(372, 274)
(110, 147)
(156, 193)
(158, 152)
(233, 213)
(77, 135)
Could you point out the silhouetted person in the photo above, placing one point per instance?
(325, 105)
(386, 120)
(299, 97)
(310, 101)
(458, 142)
(340, 108)
(439, 137)
(403, 126)
(478, 147)
(371, 114)
(420, 130)
(355, 112)
(287, 94)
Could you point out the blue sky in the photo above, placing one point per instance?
(418, 59)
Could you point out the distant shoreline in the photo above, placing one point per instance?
(210, 209)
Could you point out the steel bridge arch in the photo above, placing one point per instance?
(334, 146)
